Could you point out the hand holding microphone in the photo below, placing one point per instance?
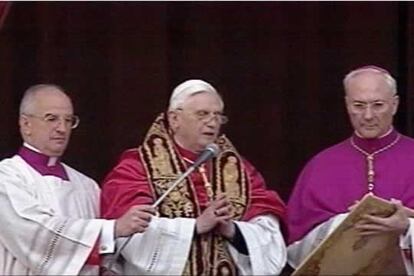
(135, 220)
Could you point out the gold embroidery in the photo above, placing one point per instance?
(231, 176)
(222, 256)
(232, 180)
(209, 254)
(161, 160)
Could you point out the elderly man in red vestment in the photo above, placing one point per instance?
(376, 159)
(221, 220)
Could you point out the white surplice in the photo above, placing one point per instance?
(163, 249)
(48, 225)
(299, 250)
(406, 243)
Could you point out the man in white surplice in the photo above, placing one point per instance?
(49, 211)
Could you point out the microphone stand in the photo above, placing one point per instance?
(154, 205)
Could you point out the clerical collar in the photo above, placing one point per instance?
(375, 144)
(188, 155)
(43, 164)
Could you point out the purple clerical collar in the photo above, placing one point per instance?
(374, 144)
(43, 164)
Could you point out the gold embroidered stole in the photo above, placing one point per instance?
(163, 164)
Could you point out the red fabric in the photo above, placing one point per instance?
(408, 255)
(126, 185)
(94, 257)
(4, 9)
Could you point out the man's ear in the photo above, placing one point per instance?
(395, 104)
(172, 119)
(347, 103)
(25, 125)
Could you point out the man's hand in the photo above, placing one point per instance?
(135, 220)
(397, 223)
(226, 227)
(352, 207)
(218, 211)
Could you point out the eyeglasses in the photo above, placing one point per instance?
(50, 119)
(376, 106)
(205, 116)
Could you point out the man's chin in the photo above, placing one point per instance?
(203, 144)
(369, 133)
(57, 151)
(209, 140)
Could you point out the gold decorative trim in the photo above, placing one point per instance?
(163, 164)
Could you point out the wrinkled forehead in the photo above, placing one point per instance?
(370, 77)
(204, 100)
(368, 82)
(52, 100)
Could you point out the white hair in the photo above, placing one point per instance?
(375, 69)
(26, 104)
(189, 88)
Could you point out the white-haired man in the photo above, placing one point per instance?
(376, 159)
(49, 210)
(220, 221)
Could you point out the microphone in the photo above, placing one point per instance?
(211, 150)
(208, 153)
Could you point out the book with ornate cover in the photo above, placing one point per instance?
(344, 252)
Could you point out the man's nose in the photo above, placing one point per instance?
(368, 113)
(213, 122)
(62, 126)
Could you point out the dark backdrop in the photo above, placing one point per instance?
(278, 65)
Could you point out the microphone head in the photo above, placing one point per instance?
(209, 152)
(213, 148)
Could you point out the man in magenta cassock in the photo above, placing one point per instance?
(376, 159)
